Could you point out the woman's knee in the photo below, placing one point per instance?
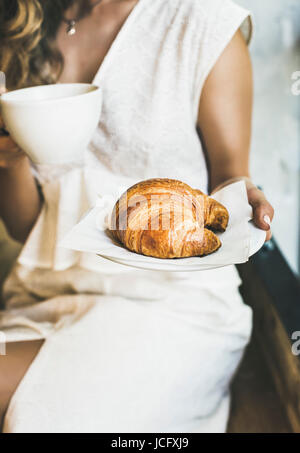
(13, 367)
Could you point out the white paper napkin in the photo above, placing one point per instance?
(89, 235)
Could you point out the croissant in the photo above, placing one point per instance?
(166, 218)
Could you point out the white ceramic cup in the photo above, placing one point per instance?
(53, 124)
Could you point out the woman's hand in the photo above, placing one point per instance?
(263, 211)
(21, 202)
(10, 153)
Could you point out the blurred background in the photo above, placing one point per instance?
(275, 163)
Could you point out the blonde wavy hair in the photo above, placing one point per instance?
(28, 55)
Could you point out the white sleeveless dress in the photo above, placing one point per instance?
(130, 350)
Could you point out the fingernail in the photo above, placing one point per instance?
(267, 220)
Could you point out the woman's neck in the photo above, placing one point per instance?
(84, 52)
(81, 8)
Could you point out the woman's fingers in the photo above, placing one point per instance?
(1, 123)
(3, 131)
(9, 152)
(7, 144)
(263, 211)
(263, 214)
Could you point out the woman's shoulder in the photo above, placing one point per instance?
(204, 6)
(202, 9)
(210, 16)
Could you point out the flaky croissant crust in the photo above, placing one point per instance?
(166, 218)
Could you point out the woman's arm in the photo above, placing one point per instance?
(20, 201)
(225, 122)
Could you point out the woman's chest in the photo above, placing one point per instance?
(146, 128)
(84, 52)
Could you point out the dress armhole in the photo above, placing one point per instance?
(247, 29)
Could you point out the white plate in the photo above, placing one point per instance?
(240, 240)
(257, 239)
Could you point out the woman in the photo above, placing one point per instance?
(100, 347)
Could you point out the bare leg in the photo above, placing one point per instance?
(13, 367)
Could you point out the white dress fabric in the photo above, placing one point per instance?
(129, 350)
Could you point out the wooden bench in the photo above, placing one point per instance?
(266, 388)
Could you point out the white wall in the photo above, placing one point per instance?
(275, 165)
